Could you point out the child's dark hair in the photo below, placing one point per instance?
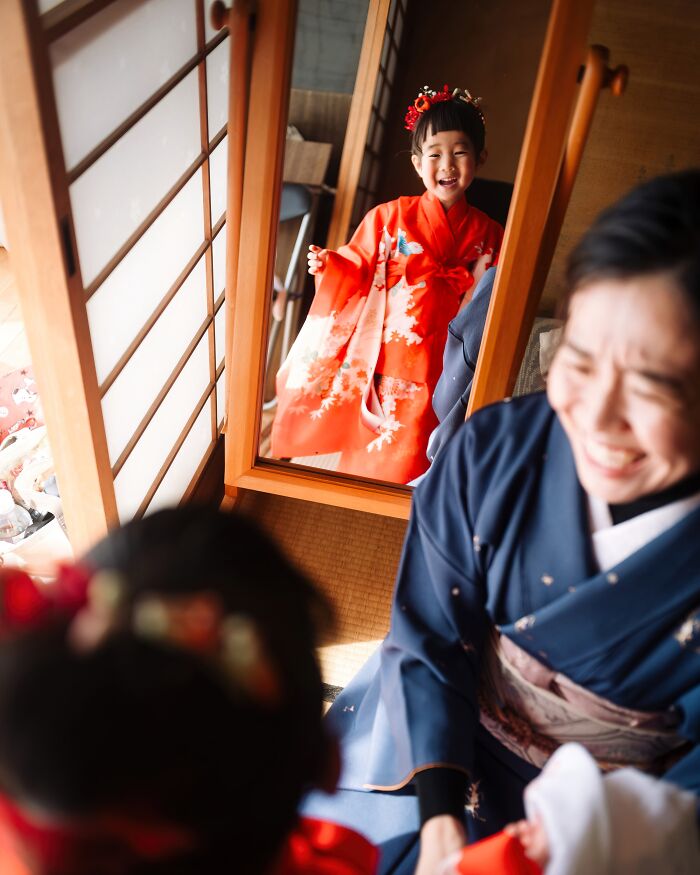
(146, 727)
(450, 115)
(653, 229)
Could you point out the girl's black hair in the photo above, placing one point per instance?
(134, 726)
(653, 229)
(450, 115)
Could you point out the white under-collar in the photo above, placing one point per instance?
(612, 544)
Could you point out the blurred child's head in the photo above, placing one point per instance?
(173, 724)
(447, 141)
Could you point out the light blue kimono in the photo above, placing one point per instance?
(499, 534)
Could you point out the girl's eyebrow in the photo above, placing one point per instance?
(438, 146)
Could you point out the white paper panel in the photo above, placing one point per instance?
(140, 469)
(209, 32)
(107, 67)
(145, 374)
(45, 5)
(125, 300)
(115, 194)
(221, 398)
(217, 87)
(220, 333)
(219, 256)
(217, 174)
(184, 466)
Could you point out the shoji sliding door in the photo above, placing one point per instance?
(133, 98)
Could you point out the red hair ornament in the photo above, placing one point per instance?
(427, 98)
(26, 602)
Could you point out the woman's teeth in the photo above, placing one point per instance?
(609, 457)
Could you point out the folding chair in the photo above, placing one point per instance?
(296, 203)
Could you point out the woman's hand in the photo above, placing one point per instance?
(317, 259)
(532, 836)
(440, 837)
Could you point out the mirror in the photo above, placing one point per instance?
(250, 276)
(355, 154)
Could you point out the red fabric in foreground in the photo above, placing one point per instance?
(317, 847)
(500, 854)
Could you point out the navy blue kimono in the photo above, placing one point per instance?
(464, 334)
(499, 536)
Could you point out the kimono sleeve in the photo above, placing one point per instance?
(430, 659)
(451, 395)
(349, 270)
(686, 772)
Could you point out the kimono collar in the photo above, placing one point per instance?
(457, 212)
(81, 845)
(683, 489)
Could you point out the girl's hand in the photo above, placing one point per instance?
(532, 836)
(440, 837)
(317, 258)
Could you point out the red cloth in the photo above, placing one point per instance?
(360, 376)
(500, 854)
(317, 847)
(82, 845)
(314, 848)
(10, 862)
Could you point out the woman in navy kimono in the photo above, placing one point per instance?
(549, 588)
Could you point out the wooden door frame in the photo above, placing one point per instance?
(42, 246)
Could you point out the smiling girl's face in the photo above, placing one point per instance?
(447, 165)
(625, 384)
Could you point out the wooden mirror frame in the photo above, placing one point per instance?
(514, 298)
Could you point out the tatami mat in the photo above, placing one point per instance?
(352, 556)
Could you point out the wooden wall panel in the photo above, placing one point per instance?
(493, 50)
(653, 128)
(321, 116)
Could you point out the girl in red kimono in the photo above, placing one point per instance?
(360, 376)
(160, 710)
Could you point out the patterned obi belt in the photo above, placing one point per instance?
(532, 710)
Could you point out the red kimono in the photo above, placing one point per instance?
(360, 376)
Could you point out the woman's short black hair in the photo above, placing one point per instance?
(653, 229)
(135, 726)
(450, 115)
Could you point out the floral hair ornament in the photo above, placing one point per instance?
(197, 622)
(427, 98)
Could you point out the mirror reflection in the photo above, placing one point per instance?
(356, 351)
